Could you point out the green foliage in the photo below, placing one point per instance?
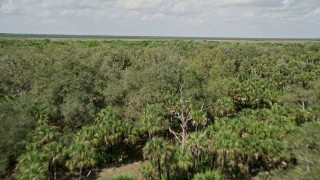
(112, 130)
(157, 149)
(152, 119)
(303, 101)
(42, 152)
(224, 106)
(254, 93)
(252, 138)
(208, 175)
(81, 155)
(67, 107)
(303, 147)
(32, 165)
(16, 122)
(125, 176)
(180, 159)
(147, 171)
(92, 43)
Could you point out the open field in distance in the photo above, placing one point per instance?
(142, 38)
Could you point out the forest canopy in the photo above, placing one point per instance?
(191, 109)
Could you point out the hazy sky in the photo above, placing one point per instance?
(213, 18)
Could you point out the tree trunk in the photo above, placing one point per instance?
(159, 167)
(186, 174)
(236, 159)
(199, 157)
(168, 173)
(184, 136)
(54, 171)
(194, 165)
(248, 166)
(223, 161)
(51, 169)
(213, 160)
(149, 133)
(80, 174)
(110, 157)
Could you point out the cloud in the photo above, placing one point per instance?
(8, 7)
(138, 4)
(287, 2)
(185, 17)
(45, 13)
(50, 21)
(57, 3)
(233, 2)
(157, 16)
(241, 3)
(249, 14)
(181, 7)
(96, 4)
(316, 12)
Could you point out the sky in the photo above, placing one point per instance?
(197, 18)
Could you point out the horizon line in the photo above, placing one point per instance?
(48, 35)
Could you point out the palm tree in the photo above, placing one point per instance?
(89, 133)
(53, 152)
(110, 128)
(151, 119)
(224, 106)
(130, 133)
(180, 160)
(109, 123)
(32, 165)
(43, 134)
(199, 118)
(211, 148)
(224, 141)
(261, 140)
(81, 155)
(157, 149)
(43, 149)
(195, 144)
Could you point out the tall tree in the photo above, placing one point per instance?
(157, 149)
(152, 119)
(81, 155)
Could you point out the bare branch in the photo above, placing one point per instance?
(175, 134)
(202, 107)
(190, 118)
(169, 109)
(189, 100)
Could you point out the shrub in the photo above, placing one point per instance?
(208, 175)
(125, 176)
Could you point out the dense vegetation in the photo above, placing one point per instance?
(194, 109)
